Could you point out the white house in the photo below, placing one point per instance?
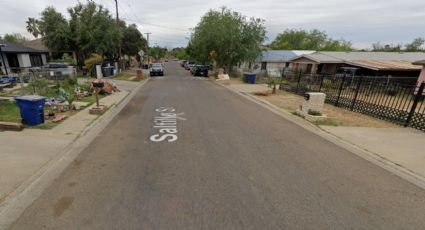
(18, 57)
(275, 61)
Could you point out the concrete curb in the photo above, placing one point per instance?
(15, 203)
(374, 158)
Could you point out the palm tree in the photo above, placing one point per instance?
(32, 27)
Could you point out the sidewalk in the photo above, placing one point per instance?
(393, 145)
(22, 154)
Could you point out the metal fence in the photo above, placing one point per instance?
(20, 78)
(399, 100)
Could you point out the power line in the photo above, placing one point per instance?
(156, 25)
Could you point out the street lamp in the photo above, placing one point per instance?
(2, 58)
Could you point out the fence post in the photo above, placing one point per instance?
(340, 90)
(357, 92)
(298, 83)
(321, 82)
(415, 104)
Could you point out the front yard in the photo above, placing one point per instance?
(9, 110)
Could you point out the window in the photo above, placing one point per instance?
(263, 65)
(36, 60)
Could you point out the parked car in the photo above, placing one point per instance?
(200, 70)
(188, 64)
(157, 69)
(182, 63)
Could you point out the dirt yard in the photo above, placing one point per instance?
(336, 116)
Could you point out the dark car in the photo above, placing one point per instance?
(182, 63)
(200, 70)
(157, 69)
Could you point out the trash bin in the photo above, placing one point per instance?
(250, 78)
(32, 109)
(106, 71)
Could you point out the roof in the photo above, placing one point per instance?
(421, 62)
(282, 55)
(385, 65)
(36, 44)
(369, 60)
(17, 48)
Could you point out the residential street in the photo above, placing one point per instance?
(231, 165)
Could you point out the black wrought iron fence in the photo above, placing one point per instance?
(396, 99)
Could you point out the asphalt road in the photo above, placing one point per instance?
(234, 165)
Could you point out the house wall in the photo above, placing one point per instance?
(44, 58)
(6, 64)
(329, 68)
(274, 69)
(24, 60)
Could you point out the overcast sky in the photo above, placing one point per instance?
(362, 22)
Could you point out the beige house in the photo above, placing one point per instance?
(368, 63)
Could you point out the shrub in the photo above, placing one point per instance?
(314, 113)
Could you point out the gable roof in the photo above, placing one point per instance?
(17, 48)
(282, 55)
(36, 44)
(369, 60)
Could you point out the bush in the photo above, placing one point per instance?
(39, 86)
(314, 113)
(327, 84)
(66, 58)
(90, 62)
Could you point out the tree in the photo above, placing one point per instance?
(386, 48)
(132, 41)
(32, 27)
(93, 29)
(157, 52)
(180, 53)
(90, 29)
(416, 45)
(15, 38)
(293, 39)
(54, 29)
(226, 37)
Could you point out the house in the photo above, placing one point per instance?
(52, 54)
(18, 57)
(367, 63)
(275, 61)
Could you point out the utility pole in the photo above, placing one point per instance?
(119, 43)
(147, 51)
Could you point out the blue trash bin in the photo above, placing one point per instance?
(32, 109)
(250, 78)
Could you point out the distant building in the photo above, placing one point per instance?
(275, 61)
(367, 63)
(18, 57)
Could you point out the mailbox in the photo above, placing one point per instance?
(313, 102)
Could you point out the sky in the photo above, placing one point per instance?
(362, 22)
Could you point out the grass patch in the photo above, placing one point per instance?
(9, 111)
(327, 122)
